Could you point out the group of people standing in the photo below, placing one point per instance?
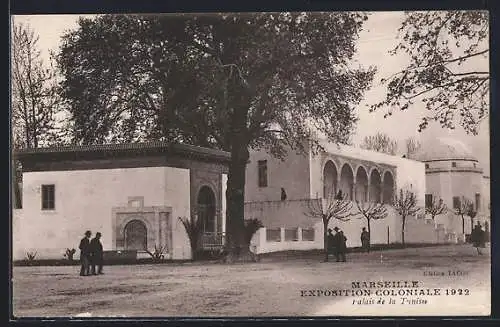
(337, 243)
(91, 254)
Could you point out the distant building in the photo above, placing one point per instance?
(132, 193)
(451, 173)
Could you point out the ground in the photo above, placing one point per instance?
(273, 287)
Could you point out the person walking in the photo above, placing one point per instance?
(96, 254)
(336, 244)
(85, 254)
(365, 240)
(477, 238)
(342, 245)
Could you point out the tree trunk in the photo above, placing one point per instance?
(403, 231)
(235, 194)
(369, 233)
(463, 225)
(325, 238)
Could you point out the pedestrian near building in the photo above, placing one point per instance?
(96, 254)
(330, 242)
(365, 240)
(85, 254)
(342, 239)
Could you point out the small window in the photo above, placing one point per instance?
(48, 197)
(273, 235)
(454, 164)
(474, 164)
(262, 172)
(478, 201)
(426, 166)
(308, 234)
(456, 202)
(428, 200)
(291, 234)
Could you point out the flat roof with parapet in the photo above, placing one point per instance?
(35, 158)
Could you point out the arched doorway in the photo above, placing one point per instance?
(206, 209)
(388, 188)
(361, 185)
(329, 180)
(375, 187)
(347, 181)
(136, 235)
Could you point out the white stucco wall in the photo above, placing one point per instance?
(292, 174)
(84, 200)
(223, 202)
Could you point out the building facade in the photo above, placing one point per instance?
(134, 194)
(452, 174)
(279, 193)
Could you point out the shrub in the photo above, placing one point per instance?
(31, 255)
(158, 253)
(69, 254)
(251, 227)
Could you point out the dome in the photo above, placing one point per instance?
(445, 149)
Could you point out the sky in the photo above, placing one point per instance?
(379, 35)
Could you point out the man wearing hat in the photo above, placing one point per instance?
(96, 254)
(336, 243)
(85, 254)
(330, 242)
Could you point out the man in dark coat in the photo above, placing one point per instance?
(365, 240)
(342, 247)
(96, 254)
(330, 242)
(338, 244)
(85, 254)
(477, 238)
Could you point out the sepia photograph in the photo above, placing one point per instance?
(250, 164)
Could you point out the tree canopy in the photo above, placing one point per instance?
(447, 70)
(380, 142)
(228, 81)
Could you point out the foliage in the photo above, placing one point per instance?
(436, 207)
(193, 227)
(229, 81)
(158, 253)
(35, 101)
(371, 211)
(448, 68)
(251, 227)
(380, 142)
(405, 205)
(69, 254)
(412, 146)
(331, 207)
(31, 255)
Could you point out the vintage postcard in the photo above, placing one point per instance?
(285, 164)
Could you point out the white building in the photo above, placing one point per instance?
(452, 173)
(132, 193)
(362, 175)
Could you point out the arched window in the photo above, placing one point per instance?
(136, 235)
(375, 187)
(347, 181)
(206, 209)
(388, 188)
(361, 185)
(329, 180)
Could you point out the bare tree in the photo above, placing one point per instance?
(371, 211)
(412, 147)
(326, 209)
(380, 142)
(34, 92)
(406, 205)
(463, 209)
(436, 207)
